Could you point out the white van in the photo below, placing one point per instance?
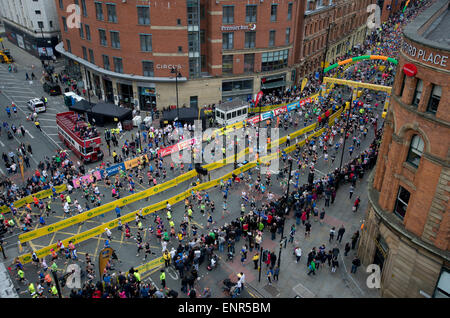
(36, 105)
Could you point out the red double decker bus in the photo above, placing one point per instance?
(79, 137)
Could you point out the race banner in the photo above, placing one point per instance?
(89, 178)
(135, 161)
(110, 171)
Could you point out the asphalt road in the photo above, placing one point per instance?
(46, 143)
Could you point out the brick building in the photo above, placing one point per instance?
(407, 226)
(224, 49)
(341, 24)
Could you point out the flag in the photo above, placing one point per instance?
(258, 97)
(305, 80)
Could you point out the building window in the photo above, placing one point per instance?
(403, 84)
(50, 23)
(202, 36)
(415, 150)
(178, 21)
(88, 32)
(227, 64)
(180, 49)
(193, 101)
(118, 67)
(435, 98)
(83, 8)
(228, 14)
(192, 14)
(288, 35)
(146, 42)
(443, 285)
(401, 204)
(102, 37)
(99, 11)
(289, 15)
(143, 15)
(111, 10)
(250, 39)
(91, 56)
(250, 13)
(417, 93)
(64, 23)
(37, 12)
(273, 12)
(203, 61)
(274, 60)
(81, 31)
(147, 68)
(61, 4)
(249, 63)
(202, 11)
(69, 47)
(106, 65)
(115, 40)
(272, 38)
(227, 40)
(84, 53)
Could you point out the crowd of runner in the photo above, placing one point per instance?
(255, 222)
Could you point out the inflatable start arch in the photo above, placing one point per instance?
(359, 58)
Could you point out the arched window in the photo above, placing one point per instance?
(415, 150)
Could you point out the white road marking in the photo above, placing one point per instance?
(1, 143)
(29, 134)
(47, 119)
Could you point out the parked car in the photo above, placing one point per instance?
(52, 89)
(36, 105)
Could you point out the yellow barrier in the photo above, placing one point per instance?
(29, 199)
(272, 107)
(143, 194)
(156, 207)
(157, 262)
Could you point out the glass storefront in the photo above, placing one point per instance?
(125, 95)
(147, 98)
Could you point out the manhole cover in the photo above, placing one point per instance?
(272, 290)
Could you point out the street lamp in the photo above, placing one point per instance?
(174, 70)
(326, 51)
(345, 134)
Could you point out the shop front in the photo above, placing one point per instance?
(273, 84)
(109, 92)
(125, 90)
(147, 98)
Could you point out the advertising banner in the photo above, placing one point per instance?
(135, 162)
(110, 171)
(86, 179)
(292, 106)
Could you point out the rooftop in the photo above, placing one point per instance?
(431, 27)
(439, 30)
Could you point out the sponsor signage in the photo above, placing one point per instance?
(110, 171)
(247, 27)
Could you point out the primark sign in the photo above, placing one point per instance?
(247, 27)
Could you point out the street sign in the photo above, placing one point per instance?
(410, 70)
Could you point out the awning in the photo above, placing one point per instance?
(273, 85)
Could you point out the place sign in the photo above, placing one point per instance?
(424, 55)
